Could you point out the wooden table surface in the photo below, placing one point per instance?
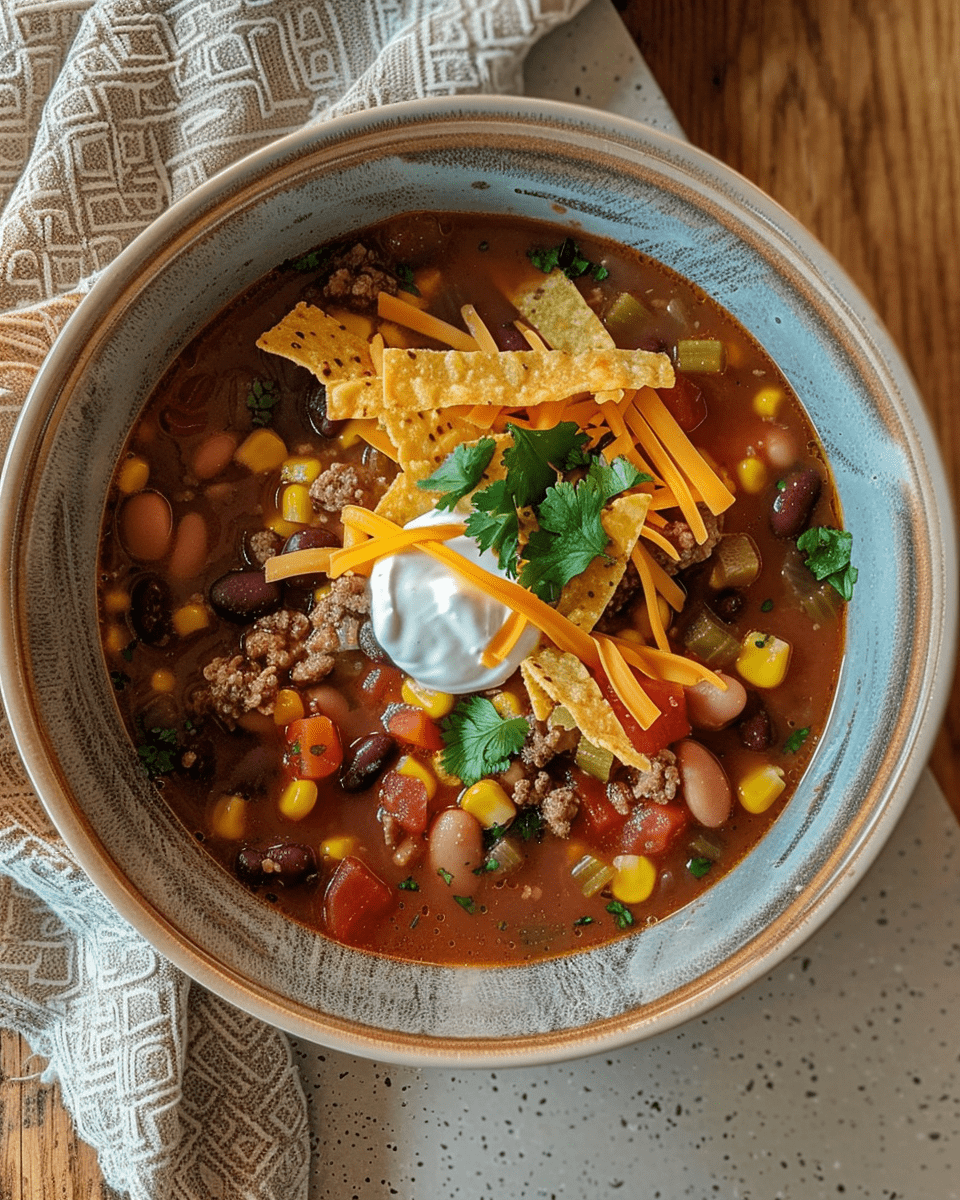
(848, 113)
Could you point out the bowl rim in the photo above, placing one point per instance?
(66, 360)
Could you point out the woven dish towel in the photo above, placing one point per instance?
(109, 111)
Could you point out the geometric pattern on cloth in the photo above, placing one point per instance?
(110, 110)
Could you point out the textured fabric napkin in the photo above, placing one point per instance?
(109, 111)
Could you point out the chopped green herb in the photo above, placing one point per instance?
(762, 641)
(569, 258)
(261, 400)
(158, 751)
(484, 246)
(781, 485)
(698, 867)
(528, 825)
(295, 748)
(466, 903)
(622, 915)
(796, 740)
(828, 557)
(404, 274)
(460, 472)
(478, 741)
(766, 606)
(309, 261)
(119, 679)
(494, 525)
(488, 865)
(583, 921)
(537, 456)
(408, 885)
(127, 651)
(445, 876)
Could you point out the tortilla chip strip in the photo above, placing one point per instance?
(559, 313)
(564, 678)
(415, 380)
(361, 398)
(586, 596)
(312, 339)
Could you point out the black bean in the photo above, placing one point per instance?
(249, 865)
(151, 610)
(315, 410)
(794, 501)
(245, 595)
(756, 730)
(365, 760)
(728, 605)
(289, 862)
(368, 643)
(307, 539)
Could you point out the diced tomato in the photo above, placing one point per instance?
(315, 749)
(354, 900)
(685, 403)
(412, 725)
(381, 683)
(669, 727)
(405, 798)
(600, 814)
(651, 828)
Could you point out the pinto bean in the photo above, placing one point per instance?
(709, 707)
(189, 552)
(244, 595)
(365, 761)
(706, 789)
(214, 455)
(146, 525)
(794, 502)
(455, 848)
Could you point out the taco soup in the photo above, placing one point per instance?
(472, 592)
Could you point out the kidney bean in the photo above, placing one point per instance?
(307, 539)
(289, 862)
(455, 849)
(709, 707)
(249, 865)
(315, 410)
(756, 730)
(244, 595)
(213, 455)
(189, 553)
(365, 761)
(706, 789)
(794, 502)
(728, 605)
(151, 608)
(146, 526)
(414, 240)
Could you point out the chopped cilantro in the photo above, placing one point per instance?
(537, 456)
(494, 525)
(309, 261)
(408, 885)
(796, 740)
(583, 921)
(404, 275)
(622, 915)
(766, 606)
(528, 825)
(261, 400)
(158, 751)
(828, 557)
(460, 472)
(127, 651)
(466, 903)
(445, 876)
(478, 741)
(488, 865)
(698, 867)
(569, 258)
(119, 679)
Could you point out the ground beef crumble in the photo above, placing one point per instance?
(356, 276)
(346, 483)
(262, 545)
(544, 743)
(558, 805)
(659, 784)
(237, 687)
(680, 535)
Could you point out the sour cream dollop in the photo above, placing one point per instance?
(435, 625)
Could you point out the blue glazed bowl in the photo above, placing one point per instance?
(557, 163)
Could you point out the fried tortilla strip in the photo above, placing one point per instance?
(540, 703)
(567, 681)
(559, 313)
(355, 398)
(311, 338)
(585, 597)
(419, 380)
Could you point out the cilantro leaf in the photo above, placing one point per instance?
(158, 751)
(261, 400)
(460, 472)
(404, 276)
(698, 867)
(495, 526)
(569, 258)
(537, 456)
(569, 538)
(796, 740)
(615, 477)
(828, 557)
(622, 916)
(478, 741)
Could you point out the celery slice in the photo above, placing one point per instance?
(705, 355)
(707, 638)
(736, 562)
(592, 875)
(595, 760)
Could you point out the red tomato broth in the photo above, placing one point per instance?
(537, 911)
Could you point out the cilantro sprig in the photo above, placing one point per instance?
(828, 557)
(568, 256)
(460, 472)
(158, 751)
(478, 741)
(261, 401)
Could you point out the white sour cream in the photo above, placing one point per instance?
(434, 625)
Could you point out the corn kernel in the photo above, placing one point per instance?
(355, 323)
(763, 659)
(507, 705)
(489, 803)
(434, 704)
(288, 707)
(759, 788)
(415, 769)
(279, 524)
(339, 846)
(229, 817)
(133, 475)
(427, 280)
(766, 403)
(295, 504)
(351, 433)
(300, 468)
(163, 680)
(752, 474)
(297, 799)
(441, 772)
(190, 618)
(116, 639)
(116, 601)
(634, 878)
(261, 451)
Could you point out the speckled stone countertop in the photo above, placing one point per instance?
(837, 1075)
